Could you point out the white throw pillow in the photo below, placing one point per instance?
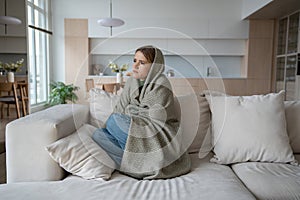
(249, 128)
(81, 156)
(101, 106)
(292, 113)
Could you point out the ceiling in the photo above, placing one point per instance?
(276, 9)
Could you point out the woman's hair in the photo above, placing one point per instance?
(148, 52)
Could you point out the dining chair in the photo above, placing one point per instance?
(6, 89)
(23, 88)
(89, 84)
(111, 87)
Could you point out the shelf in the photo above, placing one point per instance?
(127, 46)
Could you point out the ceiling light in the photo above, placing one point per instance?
(110, 22)
(9, 20)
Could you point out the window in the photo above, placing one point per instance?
(39, 24)
(288, 51)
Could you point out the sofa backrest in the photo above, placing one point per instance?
(292, 113)
(189, 112)
(195, 118)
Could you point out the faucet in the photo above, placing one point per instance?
(208, 71)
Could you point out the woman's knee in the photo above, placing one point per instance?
(110, 121)
(118, 120)
(98, 134)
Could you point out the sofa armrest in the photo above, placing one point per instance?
(27, 137)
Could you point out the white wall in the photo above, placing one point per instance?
(199, 19)
(62, 9)
(194, 18)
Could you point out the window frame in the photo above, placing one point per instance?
(39, 35)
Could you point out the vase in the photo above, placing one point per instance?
(119, 77)
(10, 77)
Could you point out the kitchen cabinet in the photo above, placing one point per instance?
(287, 59)
(188, 57)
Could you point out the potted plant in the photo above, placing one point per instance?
(11, 68)
(61, 93)
(115, 68)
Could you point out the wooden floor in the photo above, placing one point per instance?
(4, 121)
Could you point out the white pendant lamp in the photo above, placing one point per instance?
(111, 22)
(9, 20)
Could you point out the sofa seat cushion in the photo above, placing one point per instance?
(270, 180)
(205, 181)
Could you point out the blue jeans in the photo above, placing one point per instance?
(113, 138)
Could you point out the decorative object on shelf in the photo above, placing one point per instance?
(10, 77)
(115, 67)
(170, 73)
(97, 69)
(61, 93)
(119, 77)
(11, 68)
(119, 70)
(110, 22)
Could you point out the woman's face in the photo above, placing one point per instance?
(141, 66)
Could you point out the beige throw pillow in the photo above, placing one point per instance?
(194, 115)
(249, 128)
(101, 106)
(81, 156)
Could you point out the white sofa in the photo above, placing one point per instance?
(33, 174)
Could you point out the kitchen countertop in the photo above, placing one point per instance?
(104, 76)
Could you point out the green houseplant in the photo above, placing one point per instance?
(61, 93)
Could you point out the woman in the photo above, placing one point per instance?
(144, 129)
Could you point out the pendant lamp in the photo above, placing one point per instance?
(9, 20)
(111, 22)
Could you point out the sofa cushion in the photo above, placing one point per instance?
(292, 113)
(194, 115)
(205, 181)
(270, 180)
(81, 156)
(249, 128)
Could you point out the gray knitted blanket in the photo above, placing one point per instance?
(153, 149)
